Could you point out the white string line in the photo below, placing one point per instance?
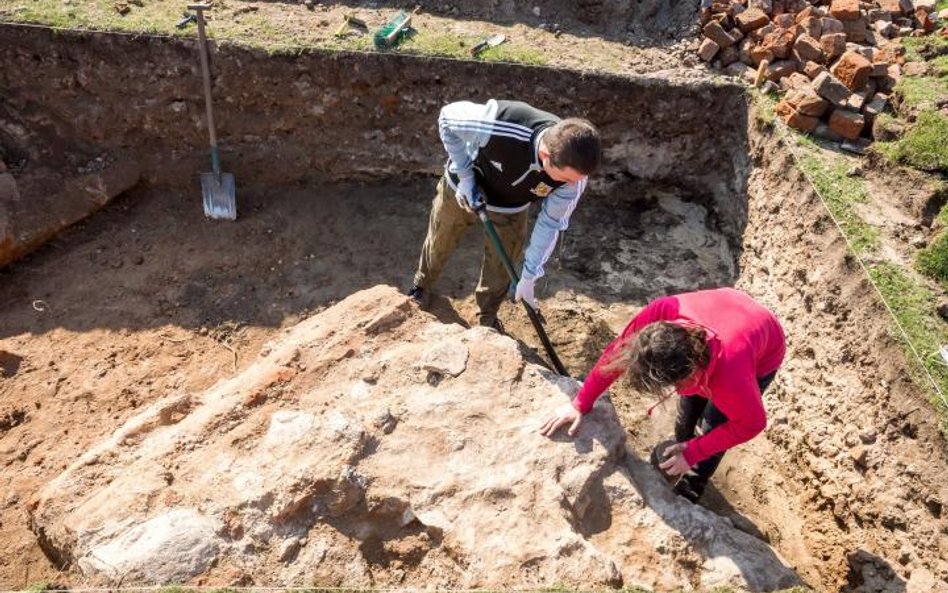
(788, 139)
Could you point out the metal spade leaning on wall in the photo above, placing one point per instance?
(217, 188)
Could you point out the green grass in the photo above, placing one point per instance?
(932, 44)
(924, 146)
(939, 66)
(841, 192)
(764, 105)
(933, 260)
(254, 29)
(914, 307)
(509, 52)
(921, 91)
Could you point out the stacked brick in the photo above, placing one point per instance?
(836, 60)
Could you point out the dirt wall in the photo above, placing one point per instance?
(285, 118)
(849, 481)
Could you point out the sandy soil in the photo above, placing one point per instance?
(149, 298)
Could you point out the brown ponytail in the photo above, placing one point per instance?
(661, 354)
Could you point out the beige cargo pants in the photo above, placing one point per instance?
(446, 227)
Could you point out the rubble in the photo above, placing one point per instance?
(836, 62)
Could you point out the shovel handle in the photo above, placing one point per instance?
(206, 75)
(531, 312)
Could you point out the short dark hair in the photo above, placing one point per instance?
(574, 142)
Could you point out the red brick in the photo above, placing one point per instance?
(876, 105)
(764, 31)
(812, 26)
(807, 49)
(831, 89)
(925, 21)
(708, 50)
(893, 53)
(879, 69)
(751, 20)
(795, 119)
(780, 43)
(798, 80)
(784, 108)
(809, 103)
(833, 44)
(781, 68)
(766, 5)
(853, 70)
(831, 25)
(845, 10)
(745, 47)
(729, 55)
(812, 69)
(856, 30)
(847, 123)
(759, 53)
(806, 13)
(894, 7)
(716, 33)
(784, 21)
(856, 101)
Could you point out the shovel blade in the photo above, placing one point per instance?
(219, 192)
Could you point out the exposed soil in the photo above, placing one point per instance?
(148, 298)
(121, 310)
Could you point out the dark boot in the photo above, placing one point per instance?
(690, 488)
(420, 296)
(492, 322)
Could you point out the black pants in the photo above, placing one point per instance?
(691, 411)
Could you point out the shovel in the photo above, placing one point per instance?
(218, 188)
(492, 41)
(531, 312)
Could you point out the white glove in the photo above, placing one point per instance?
(525, 291)
(467, 192)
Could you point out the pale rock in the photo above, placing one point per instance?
(463, 490)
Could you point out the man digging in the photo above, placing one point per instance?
(505, 155)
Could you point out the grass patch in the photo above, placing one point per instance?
(841, 192)
(922, 91)
(914, 307)
(510, 52)
(764, 105)
(933, 260)
(453, 45)
(258, 29)
(917, 48)
(924, 146)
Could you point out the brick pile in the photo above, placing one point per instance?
(837, 61)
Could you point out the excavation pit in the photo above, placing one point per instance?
(336, 157)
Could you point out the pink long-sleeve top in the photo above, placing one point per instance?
(746, 342)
